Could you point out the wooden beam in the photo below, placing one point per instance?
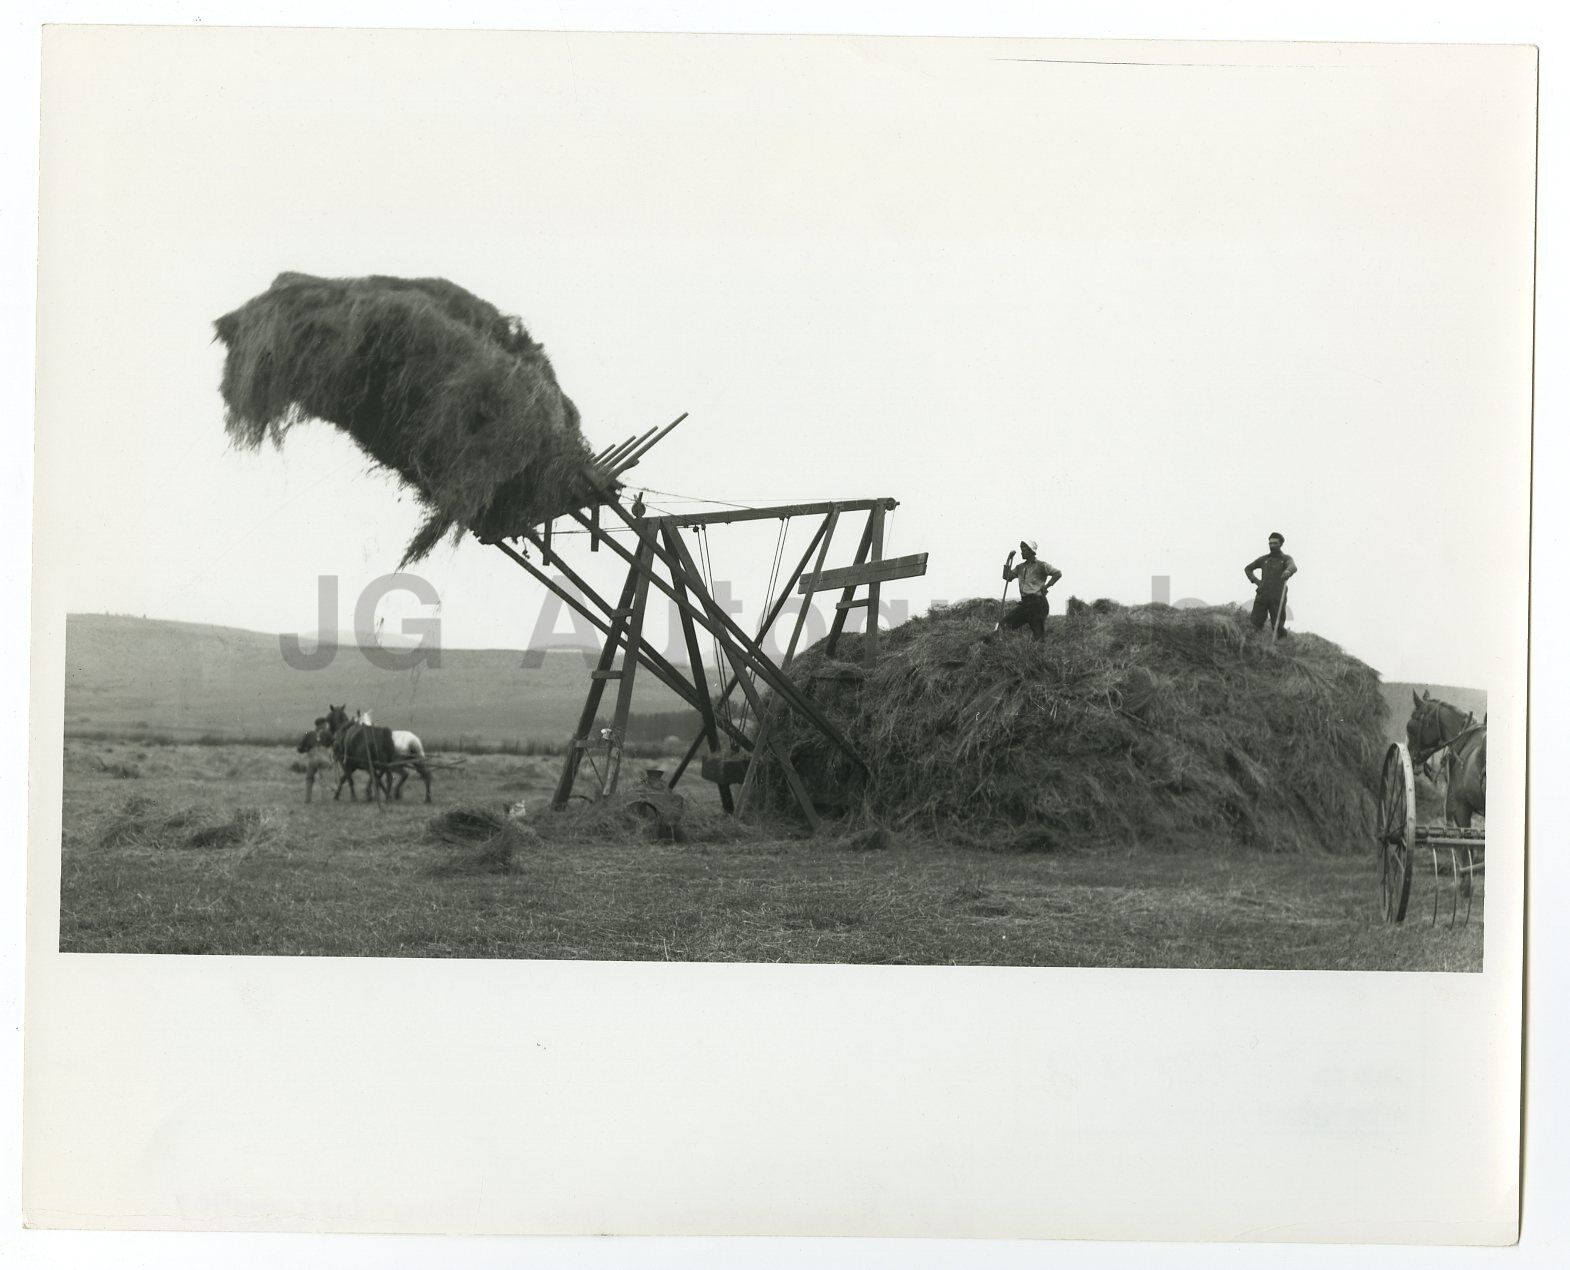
(609, 460)
(706, 711)
(630, 459)
(739, 659)
(779, 512)
(662, 669)
(837, 626)
(632, 635)
(604, 455)
(824, 533)
(861, 574)
(766, 724)
(591, 702)
(719, 622)
(869, 641)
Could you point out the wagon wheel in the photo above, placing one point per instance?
(1397, 833)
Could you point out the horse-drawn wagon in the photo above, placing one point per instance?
(1454, 747)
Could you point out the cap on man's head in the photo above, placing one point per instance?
(1028, 542)
(1277, 538)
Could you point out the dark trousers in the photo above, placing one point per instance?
(1268, 606)
(1031, 611)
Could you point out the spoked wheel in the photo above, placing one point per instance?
(1397, 833)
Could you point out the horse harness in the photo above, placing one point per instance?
(1448, 743)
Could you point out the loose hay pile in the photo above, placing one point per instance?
(428, 380)
(480, 841)
(144, 824)
(1148, 725)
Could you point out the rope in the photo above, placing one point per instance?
(692, 498)
(774, 574)
(706, 563)
(744, 710)
(658, 508)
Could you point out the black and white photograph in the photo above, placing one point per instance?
(616, 505)
(512, 596)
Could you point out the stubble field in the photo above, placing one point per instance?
(245, 866)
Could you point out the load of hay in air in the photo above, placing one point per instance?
(1150, 725)
(429, 380)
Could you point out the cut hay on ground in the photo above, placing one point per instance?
(428, 380)
(1149, 725)
(144, 824)
(479, 841)
(621, 818)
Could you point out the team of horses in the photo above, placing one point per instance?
(350, 745)
(1451, 746)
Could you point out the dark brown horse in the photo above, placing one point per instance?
(1440, 734)
(359, 748)
(359, 745)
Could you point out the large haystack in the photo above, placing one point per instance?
(1149, 725)
(428, 379)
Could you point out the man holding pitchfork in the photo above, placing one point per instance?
(1035, 577)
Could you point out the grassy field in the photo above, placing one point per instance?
(335, 879)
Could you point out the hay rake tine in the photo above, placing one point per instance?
(1471, 886)
(1455, 887)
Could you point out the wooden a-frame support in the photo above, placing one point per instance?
(743, 662)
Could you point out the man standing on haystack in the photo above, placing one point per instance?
(1270, 586)
(1035, 578)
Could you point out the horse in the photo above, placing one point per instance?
(1438, 730)
(360, 744)
(317, 747)
(408, 751)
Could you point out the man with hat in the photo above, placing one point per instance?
(1035, 577)
(1273, 570)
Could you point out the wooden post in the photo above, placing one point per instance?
(598, 678)
(689, 632)
(633, 632)
(869, 641)
(841, 610)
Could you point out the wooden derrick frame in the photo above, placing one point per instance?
(660, 559)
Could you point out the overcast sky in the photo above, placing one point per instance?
(1145, 313)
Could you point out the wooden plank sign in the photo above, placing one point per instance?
(859, 574)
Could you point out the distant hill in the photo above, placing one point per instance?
(1398, 696)
(186, 678)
